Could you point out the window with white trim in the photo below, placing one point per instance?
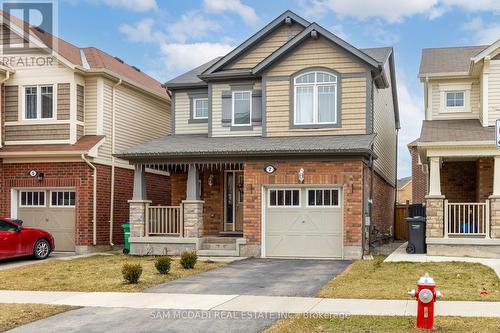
(200, 108)
(62, 198)
(284, 198)
(455, 99)
(31, 198)
(242, 108)
(315, 95)
(323, 198)
(39, 102)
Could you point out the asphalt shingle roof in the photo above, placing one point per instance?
(403, 181)
(448, 59)
(176, 146)
(191, 77)
(455, 131)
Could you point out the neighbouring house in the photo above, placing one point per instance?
(404, 191)
(456, 165)
(64, 111)
(284, 147)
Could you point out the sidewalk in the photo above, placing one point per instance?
(248, 303)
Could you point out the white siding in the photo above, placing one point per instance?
(182, 114)
(90, 106)
(494, 92)
(384, 124)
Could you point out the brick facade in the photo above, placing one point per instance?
(79, 175)
(484, 186)
(458, 181)
(383, 205)
(213, 196)
(419, 178)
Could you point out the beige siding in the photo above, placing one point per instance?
(270, 44)
(63, 101)
(437, 100)
(319, 52)
(494, 92)
(11, 103)
(217, 128)
(80, 104)
(105, 149)
(90, 103)
(37, 132)
(384, 124)
(182, 115)
(353, 109)
(9, 37)
(79, 131)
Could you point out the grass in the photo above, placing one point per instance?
(13, 315)
(97, 273)
(381, 324)
(376, 279)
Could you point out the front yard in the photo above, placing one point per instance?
(13, 315)
(376, 279)
(97, 273)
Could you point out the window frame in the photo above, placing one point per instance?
(233, 110)
(20, 204)
(315, 85)
(339, 205)
(38, 102)
(195, 116)
(454, 92)
(61, 191)
(268, 199)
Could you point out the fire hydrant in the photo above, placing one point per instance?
(426, 295)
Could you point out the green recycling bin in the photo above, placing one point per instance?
(126, 235)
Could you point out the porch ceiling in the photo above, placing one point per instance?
(178, 147)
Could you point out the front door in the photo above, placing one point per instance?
(233, 201)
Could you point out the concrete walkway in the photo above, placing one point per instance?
(401, 255)
(247, 303)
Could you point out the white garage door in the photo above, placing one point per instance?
(303, 222)
(50, 210)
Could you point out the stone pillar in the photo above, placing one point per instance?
(495, 217)
(193, 218)
(137, 217)
(435, 217)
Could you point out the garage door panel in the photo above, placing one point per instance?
(303, 245)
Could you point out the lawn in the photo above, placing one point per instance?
(381, 324)
(376, 279)
(13, 315)
(97, 273)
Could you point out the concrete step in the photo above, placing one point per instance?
(219, 240)
(219, 246)
(218, 253)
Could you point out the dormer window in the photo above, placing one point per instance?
(455, 99)
(315, 98)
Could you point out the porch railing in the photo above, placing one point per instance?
(467, 219)
(164, 221)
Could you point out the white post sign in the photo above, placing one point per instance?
(497, 133)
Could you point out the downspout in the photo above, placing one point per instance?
(395, 184)
(7, 76)
(112, 195)
(94, 200)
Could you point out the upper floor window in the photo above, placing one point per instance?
(242, 108)
(315, 98)
(39, 102)
(200, 108)
(455, 99)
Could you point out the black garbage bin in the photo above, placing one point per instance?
(416, 235)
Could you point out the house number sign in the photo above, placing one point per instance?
(270, 169)
(33, 173)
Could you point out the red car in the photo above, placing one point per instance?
(18, 241)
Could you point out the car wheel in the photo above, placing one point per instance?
(42, 249)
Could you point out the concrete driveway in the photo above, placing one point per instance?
(271, 277)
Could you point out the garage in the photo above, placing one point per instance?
(303, 222)
(52, 210)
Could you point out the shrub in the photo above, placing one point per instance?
(162, 264)
(188, 259)
(131, 272)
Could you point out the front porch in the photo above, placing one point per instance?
(463, 206)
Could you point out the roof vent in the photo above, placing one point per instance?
(119, 60)
(314, 34)
(137, 69)
(288, 20)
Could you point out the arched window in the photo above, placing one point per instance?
(315, 98)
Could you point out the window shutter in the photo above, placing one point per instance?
(226, 108)
(257, 107)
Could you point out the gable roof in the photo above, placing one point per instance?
(96, 58)
(448, 60)
(191, 78)
(487, 51)
(402, 182)
(253, 40)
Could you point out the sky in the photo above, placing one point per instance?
(165, 38)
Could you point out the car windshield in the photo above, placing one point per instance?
(6, 226)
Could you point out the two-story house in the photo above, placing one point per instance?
(456, 164)
(64, 111)
(284, 147)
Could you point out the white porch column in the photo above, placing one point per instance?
(139, 183)
(434, 177)
(496, 177)
(192, 192)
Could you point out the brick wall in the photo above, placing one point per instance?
(213, 209)
(178, 184)
(419, 179)
(348, 174)
(79, 176)
(458, 181)
(383, 205)
(484, 186)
